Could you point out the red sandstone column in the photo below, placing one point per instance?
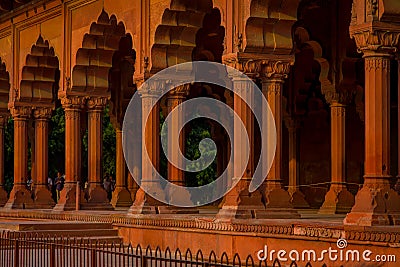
(297, 197)
(97, 195)
(121, 195)
(72, 107)
(143, 203)
(338, 199)
(376, 203)
(239, 202)
(43, 197)
(20, 197)
(174, 99)
(397, 186)
(3, 193)
(277, 199)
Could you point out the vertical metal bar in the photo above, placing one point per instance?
(52, 255)
(94, 258)
(16, 253)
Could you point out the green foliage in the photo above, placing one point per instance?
(57, 142)
(9, 155)
(199, 131)
(109, 145)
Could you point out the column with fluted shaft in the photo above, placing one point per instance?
(97, 195)
(376, 203)
(145, 204)
(72, 108)
(239, 202)
(20, 196)
(43, 196)
(277, 200)
(338, 199)
(297, 197)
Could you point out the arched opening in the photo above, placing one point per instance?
(32, 108)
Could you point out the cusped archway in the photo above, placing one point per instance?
(189, 30)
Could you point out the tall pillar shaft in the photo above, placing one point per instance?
(376, 203)
(297, 197)
(278, 200)
(397, 186)
(20, 197)
(72, 107)
(175, 175)
(239, 202)
(43, 197)
(3, 193)
(121, 196)
(338, 199)
(144, 204)
(97, 196)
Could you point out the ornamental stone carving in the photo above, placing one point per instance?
(377, 40)
(97, 102)
(21, 112)
(77, 102)
(42, 113)
(344, 97)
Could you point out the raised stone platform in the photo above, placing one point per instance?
(202, 231)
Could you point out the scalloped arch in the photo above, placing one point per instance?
(269, 27)
(175, 37)
(40, 75)
(90, 75)
(4, 87)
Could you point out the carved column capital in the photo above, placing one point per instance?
(96, 103)
(250, 67)
(72, 102)
(43, 113)
(342, 98)
(277, 70)
(372, 41)
(21, 112)
(152, 88)
(180, 92)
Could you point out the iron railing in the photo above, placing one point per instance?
(32, 250)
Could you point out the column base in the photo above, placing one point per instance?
(20, 198)
(97, 199)
(3, 196)
(144, 204)
(375, 204)
(277, 202)
(298, 201)
(43, 198)
(239, 203)
(67, 199)
(121, 198)
(338, 200)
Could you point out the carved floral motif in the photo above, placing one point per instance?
(376, 40)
